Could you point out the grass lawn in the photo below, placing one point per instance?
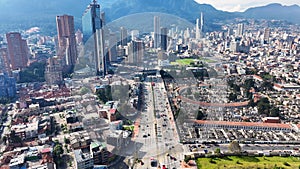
(183, 62)
(129, 128)
(188, 61)
(246, 162)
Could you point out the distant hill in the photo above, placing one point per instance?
(21, 14)
(274, 11)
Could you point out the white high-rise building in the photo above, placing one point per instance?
(156, 31)
(240, 29)
(199, 27)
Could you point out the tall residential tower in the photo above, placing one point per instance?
(67, 50)
(199, 27)
(17, 51)
(156, 31)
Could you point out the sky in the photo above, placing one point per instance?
(242, 5)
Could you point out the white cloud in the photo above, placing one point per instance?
(242, 5)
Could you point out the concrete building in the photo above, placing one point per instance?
(123, 36)
(7, 86)
(67, 50)
(240, 30)
(199, 27)
(80, 140)
(26, 131)
(164, 39)
(99, 153)
(156, 31)
(93, 37)
(135, 52)
(53, 72)
(83, 160)
(17, 51)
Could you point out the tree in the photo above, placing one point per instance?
(274, 112)
(66, 140)
(218, 151)
(235, 147)
(264, 106)
(104, 94)
(84, 90)
(266, 85)
(232, 97)
(252, 103)
(200, 115)
(58, 150)
(4, 139)
(248, 84)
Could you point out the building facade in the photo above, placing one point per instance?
(164, 39)
(7, 86)
(93, 37)
(123, 36)
(17, 51)
(67, 47)
(53, 72)
(156, 31)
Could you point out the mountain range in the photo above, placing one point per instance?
(19, 13)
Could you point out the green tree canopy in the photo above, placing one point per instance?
(235, 147)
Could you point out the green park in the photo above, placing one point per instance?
(248, 162)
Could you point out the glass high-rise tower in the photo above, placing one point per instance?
(93, 36)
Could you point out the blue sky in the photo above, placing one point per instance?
(242, 5)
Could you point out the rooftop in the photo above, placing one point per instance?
(246, 124)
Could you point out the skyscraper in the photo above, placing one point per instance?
(266, 36)
(67, 50)
(93, 37)
(199, 27)
(123, 36)
(17, 51)
(135, 52)
(156, 31)
(240, 29)
(164, 38)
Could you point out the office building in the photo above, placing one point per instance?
(240, 30)
(123, 36)
(93, 37)
(67, 50)
(164, 39)
(199, 27)
(135, 52)
(112, 48)
(135, 34)
(53, 72)
(17, 51)
(156, 32)
(266, 36)
(7, 86)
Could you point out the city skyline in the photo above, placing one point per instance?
(212, 90)
(241, 6)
